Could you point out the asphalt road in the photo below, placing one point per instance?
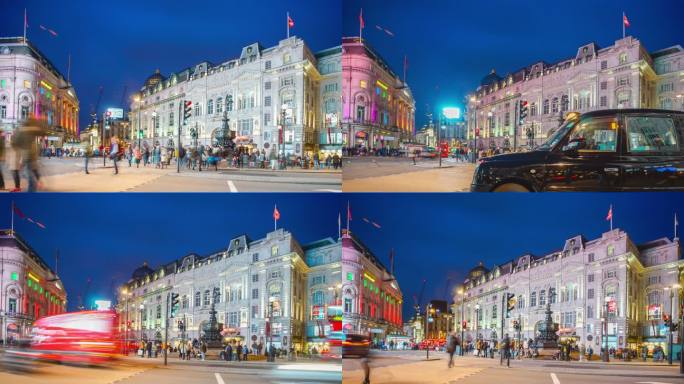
(145, 371)
(66, 175)
(410, 367)
(397, 174)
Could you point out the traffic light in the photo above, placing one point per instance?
(516, 325)
(187, 110)
(522, 113)
(667, 321)
(181, 325)
(174, 304)
(511, 301)
(464, 324)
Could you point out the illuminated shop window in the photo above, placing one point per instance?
(363, 84)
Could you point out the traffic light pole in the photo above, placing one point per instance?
(516, 124)
(166, 329)
(180, 125)
(669, 329)
(504, 308)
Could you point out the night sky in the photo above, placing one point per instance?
(106, 236)
(451, 45)
(121, 43)
(441, 236)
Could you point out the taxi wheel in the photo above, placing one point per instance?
(511, 187)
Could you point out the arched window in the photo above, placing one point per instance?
(229, 103)
(206, 298)
(554, 105)
(210, 107)
(565, 103)
(545, 107)
(533, 299)
(198, 299)
(542, 297)
(318, 298)
(623, 58)
(219, 105)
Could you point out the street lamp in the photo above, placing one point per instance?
(477, 321)
(669, 328)
(138, 101)
(427, 325)
(462, 293)
(142, 308)
(605, 330)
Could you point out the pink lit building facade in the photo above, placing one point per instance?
(378, 106)
(623, 75)
(371, 297)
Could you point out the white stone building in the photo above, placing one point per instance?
(29, 288)
(257, 92)
(623, 75)
(30, 85)
(258, 281)
(580, 280)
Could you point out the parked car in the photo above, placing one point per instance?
(607, 150)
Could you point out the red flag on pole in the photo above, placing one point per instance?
(290, 22)
(610, 214)
(625, 21)
(18, 212)
(276, 213)
(361, 23)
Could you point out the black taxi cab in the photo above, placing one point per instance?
(606, 150)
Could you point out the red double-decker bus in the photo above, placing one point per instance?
(78, 337)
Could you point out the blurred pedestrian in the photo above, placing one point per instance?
(86, 156)
(114, 153)
(451, 348)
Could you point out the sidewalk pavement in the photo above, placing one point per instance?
(449, 179)
(102, 179)
(310, 364)
(434, 371)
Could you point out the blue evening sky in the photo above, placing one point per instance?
(106, 236)
(120, 43)
(452, 44)
(441, 236)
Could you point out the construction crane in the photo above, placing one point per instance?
(420, 297)
(93, 111)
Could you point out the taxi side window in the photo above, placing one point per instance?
(595, 135)
(651, 134)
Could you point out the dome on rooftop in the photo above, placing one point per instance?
(143, 271)
(154, 79)
(492, 78)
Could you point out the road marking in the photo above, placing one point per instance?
(651, 382)
(328, 190)
(555, 379)
(219, 379)
(232, 189)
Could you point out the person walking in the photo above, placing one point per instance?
(114, 153)
(238, 352)
(129, 155)
(451, 348)
(203, 349)
(86, 157)
(506, 350)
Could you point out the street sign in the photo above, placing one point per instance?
(115, 113)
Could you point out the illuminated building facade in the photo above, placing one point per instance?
(30, 85)
(623, 75)
(378, 107)
(29, 288)
(254, 94)
(371, 297)
(582, 281)
(258, 282)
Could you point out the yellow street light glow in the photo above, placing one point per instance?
(369, 277)
(33, 277)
